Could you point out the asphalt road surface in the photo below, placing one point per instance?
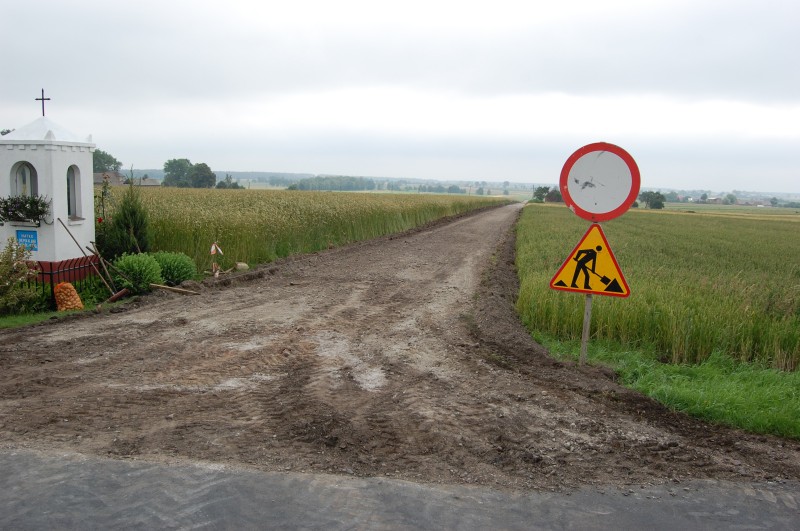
(73, 491)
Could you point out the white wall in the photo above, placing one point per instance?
(51, 159)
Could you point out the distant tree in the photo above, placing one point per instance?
(479, 191)
(102, 161)
(176, 173)
(672, 197)
(229, 183)
(654, 200)
(453, 189)
(201, 176)
(729, 199)
(540, 192)
(506, 184)
(704, 198)
(343, 183)
(773, 201)
(553, 196)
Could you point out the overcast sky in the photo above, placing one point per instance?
(703, 94)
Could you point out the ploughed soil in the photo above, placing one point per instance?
(400, 357)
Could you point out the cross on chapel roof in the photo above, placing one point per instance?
(42, 99)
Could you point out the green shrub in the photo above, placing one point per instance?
(15, 297)
(175, 267)
(92, 291)
(129, 230)
(141, 270)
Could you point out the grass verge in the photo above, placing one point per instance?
(15, 321)
(719, 390)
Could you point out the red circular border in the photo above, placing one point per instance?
(635, 181)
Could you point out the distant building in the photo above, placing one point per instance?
(147, 181)
(115, 178)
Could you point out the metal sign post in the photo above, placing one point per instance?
(599, 182)
(587, 319)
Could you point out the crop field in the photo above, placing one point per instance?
(258, 226)
(702, 283)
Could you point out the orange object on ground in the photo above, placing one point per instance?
(67, 298)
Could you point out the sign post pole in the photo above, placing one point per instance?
(587, 321)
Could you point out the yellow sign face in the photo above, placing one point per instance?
(592, 268)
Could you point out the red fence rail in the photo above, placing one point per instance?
(74, 270)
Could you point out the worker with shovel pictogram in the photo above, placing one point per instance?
(584, 257)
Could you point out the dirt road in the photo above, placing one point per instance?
(398, 357)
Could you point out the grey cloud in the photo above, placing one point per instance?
(736, 50)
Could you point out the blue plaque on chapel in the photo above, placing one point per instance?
(28, 238)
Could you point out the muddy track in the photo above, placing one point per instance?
(398, 357)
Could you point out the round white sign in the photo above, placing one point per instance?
(600, 182)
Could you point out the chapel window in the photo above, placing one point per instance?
(73, 192)
(24, 180)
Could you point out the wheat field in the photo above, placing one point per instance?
(716, 281)
(258, 226)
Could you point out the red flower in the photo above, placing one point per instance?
(99, 220)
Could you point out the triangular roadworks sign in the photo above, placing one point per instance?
(592, 268)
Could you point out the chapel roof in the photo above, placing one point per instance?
(44, 129)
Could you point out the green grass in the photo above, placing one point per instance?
(15, 321)
(719, 390)
(712, 325)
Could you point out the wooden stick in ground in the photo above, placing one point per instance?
(118, 295)
(106, 263)
(117, 270)
(95, 252)
(86, 256)
(176, 290)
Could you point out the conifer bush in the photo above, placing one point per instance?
(129, 230)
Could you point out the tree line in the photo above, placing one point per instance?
(547, 194)
(180, 173)
(341, 183)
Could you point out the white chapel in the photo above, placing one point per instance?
(42, 158)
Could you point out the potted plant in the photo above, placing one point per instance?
(24, 209)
